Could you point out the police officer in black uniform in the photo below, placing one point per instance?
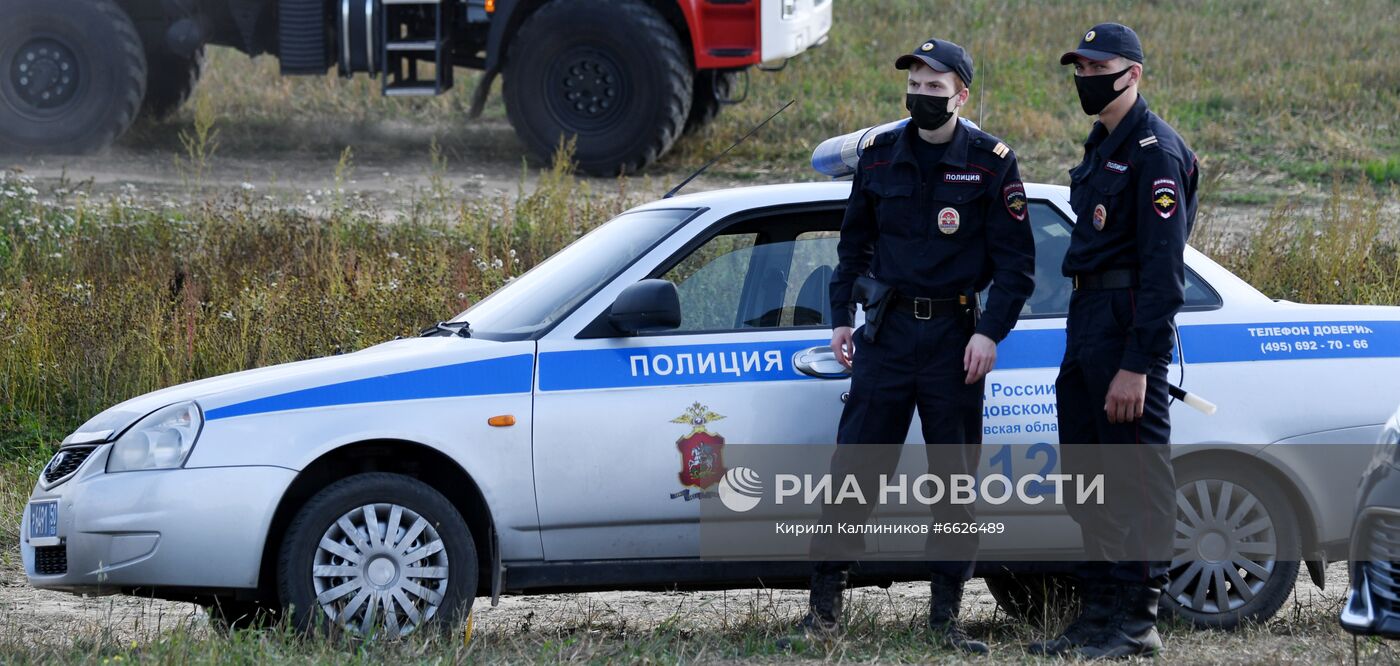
(1134, 197)
(937, 212)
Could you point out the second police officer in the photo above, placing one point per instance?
(937, 213)
(1134, 196)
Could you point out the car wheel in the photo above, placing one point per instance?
(1040, 600)
(712, 88)
(72, 75)
(377, 555)
(170, 80)
(1236, 549)
(611, 74)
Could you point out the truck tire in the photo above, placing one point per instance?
(170, 80)
(72, 75)
(712, 86)
(377, 554)
(611, 73)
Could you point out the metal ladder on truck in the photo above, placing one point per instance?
(414, 34)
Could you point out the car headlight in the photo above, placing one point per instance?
(161, 440)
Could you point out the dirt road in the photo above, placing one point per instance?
(388, 160)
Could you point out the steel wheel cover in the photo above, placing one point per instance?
(380, 569)
(1225, 547)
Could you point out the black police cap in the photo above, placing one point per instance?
(1106, 41)
(942, 56)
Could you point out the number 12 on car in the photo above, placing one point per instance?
(1043, 452)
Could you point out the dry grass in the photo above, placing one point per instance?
(884, 626)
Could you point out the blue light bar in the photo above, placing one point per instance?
(838, 156)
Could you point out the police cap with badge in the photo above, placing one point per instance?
(1106, 41)
(942, 56)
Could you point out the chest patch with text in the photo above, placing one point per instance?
(1115, 167)
(969, 177)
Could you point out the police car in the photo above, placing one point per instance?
(557, 435)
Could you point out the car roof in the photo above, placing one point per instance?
(736, 199)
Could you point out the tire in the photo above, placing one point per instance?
(1256, 583)
(170, 80)
(712, 86)
(93, 69)
(1036, 598)
(227, 615)
(361, 591)
(611, 73)
(1040, 600)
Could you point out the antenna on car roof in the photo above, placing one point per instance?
(720, 156)
(982, 99)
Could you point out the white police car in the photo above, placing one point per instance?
(557, 443)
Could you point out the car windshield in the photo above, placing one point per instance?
(531, 303)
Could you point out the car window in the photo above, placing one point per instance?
(529, 305)
(1052, 289)
(710, 281)
(735, 281)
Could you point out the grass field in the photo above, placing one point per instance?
(1273, 94)
(884, 626)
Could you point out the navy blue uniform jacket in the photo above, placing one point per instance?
(942, 234)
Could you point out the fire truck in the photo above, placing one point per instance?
(623, 79)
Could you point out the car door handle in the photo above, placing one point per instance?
(820, 362)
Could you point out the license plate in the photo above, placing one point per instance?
(43, 521)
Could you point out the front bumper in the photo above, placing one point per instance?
(180, 528)
(1373, 600)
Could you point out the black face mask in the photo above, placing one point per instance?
(929, 112)
(1096, 92)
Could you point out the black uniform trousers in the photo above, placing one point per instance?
(914, 363)
(1128, 537)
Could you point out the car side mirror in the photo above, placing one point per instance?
(646, 307)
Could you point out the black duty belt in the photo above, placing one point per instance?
(928, 308)
(1117, 278)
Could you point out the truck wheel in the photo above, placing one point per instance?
(711, 87)
(72, 75)
(1040, 600)
(1237, 547)
(377, 555)
(610, 72)
(170, 80)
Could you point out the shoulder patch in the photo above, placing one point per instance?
(1165, 193)
(1001, 150)
(1014, 196)
(1149, 141)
